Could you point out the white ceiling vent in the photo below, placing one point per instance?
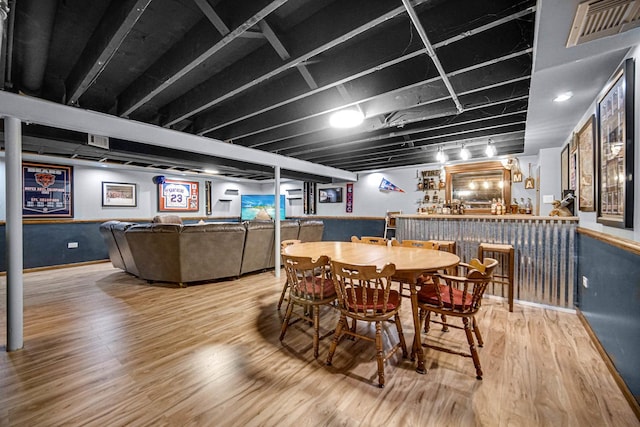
(601, 18)
(98, 141)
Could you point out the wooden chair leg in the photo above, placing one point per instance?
(425, 316)
(445, 327)
(476, 330)
(472, 347)
(316, 330)
(285, 322)
(336, 337)
(403, 343)
(379, 354)
(284, 292)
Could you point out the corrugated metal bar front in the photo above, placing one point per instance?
(544, 250)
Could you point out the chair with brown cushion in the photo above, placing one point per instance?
(371, 240)
(310, 286)
(284, 244)
(458, 296)
(366, 294)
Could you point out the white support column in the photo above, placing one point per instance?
(276, 244)
(13, 230)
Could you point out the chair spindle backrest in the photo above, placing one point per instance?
(470, 288)
(363, 290)
(423, 244)
(308, 279)
(371, 240)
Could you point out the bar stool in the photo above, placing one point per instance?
(506, 255)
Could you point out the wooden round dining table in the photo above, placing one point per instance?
(409, 262)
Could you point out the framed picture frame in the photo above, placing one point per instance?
(47, 191)
(573, 165)
(119, 194)
(564, 167)
(586, 165)
(178, 196)
(615, 152)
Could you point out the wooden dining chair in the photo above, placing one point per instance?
(424, 278)
(423, 244)
(284, 244)
(461, 297)
(365, 294)
(310, 286)
(371, 240)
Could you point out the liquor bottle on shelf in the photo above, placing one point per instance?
(493, 206)
(528, 209)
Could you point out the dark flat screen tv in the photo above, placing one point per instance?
(330, 195)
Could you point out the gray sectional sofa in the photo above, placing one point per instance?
(183, 253)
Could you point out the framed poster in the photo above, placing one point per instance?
(573, 164)
(586, 169)
(564, 168)
(119, 194)
(178, 196)
(615, 118)
(47, 191)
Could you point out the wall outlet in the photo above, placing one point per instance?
(72, 245)
(585, 281)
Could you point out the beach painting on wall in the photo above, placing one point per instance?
(260, 207)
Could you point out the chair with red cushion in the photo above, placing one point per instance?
(366, 294)
(310, 286)
(458, 296)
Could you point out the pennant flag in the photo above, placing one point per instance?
(388, 186)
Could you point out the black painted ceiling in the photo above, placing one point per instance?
(266, 74)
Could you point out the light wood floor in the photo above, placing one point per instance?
(106, 349)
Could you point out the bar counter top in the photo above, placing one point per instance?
(509, 217)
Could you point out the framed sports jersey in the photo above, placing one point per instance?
(178, 196)
(47, 191)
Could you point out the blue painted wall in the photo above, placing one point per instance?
(611, 303)
(46, 244)
(341, 229)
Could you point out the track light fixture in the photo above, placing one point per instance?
(464, 153)
(491, 148)
(440, 156)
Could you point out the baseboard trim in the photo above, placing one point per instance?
(56, 267)
(635, 406)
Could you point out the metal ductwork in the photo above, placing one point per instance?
(38, 16)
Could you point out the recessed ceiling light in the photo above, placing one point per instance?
(563, 97)
(211, 171)
(346, 119)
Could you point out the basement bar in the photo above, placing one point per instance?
(544, 247)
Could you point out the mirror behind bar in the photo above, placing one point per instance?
(476, 184)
